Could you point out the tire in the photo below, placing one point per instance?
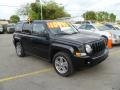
(106, 39)
(63, 64)
(19, 50)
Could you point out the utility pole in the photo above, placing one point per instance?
(41, 10)
(37, 1)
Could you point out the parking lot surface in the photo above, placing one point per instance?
(32, 73)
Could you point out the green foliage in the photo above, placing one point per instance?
(50, 10)
(112, 17)
(102, 16)
(99, 16)
(89, 15)
(14, 19)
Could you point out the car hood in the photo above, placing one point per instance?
(76, 38)
(116, 32)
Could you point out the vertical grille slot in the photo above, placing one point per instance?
(98, 46)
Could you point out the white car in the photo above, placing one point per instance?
(102, 31)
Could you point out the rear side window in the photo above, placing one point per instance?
(38, 28)
(27, 28)
(18, 27)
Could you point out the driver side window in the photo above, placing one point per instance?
(38, 28)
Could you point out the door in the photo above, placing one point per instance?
(26, 37)
(40, 43)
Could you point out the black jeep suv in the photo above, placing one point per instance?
(59, 43)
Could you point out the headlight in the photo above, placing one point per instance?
(88, 48)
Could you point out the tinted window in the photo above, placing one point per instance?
(38, 28)
(27, 28)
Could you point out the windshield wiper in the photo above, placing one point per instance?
(75, 33)
(62, 34)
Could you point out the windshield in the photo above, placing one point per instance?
(61, 28)
(110, 26)
(103, 27)
(117, 28)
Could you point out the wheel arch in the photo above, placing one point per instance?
(60, 48)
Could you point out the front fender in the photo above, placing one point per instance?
(63, 47)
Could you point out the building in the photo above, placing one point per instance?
(4, 22)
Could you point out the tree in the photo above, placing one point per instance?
(89, 15)
(112, 17)
(50, 10)
(14, 19)
(99, 16)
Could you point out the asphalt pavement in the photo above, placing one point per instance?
(32, 73)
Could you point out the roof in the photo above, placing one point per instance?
(37, 21)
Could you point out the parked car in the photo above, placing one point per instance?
(10, 28)
(114, 32)
(113, 26)
(101, 30)
(91, 29)
(59, 43)
(1, 29)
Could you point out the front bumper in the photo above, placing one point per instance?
(116, 41)
(90, 60)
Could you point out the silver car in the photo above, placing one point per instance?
(101, 30)
(114, 32)
(1, 29)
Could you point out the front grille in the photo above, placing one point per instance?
(98, 46)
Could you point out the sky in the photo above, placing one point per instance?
(74, 7)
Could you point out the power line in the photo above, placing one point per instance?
(8, 6)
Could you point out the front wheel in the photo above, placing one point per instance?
(62, 64)
(19, 50)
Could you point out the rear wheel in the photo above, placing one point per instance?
(19, 50)
(62, 64)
